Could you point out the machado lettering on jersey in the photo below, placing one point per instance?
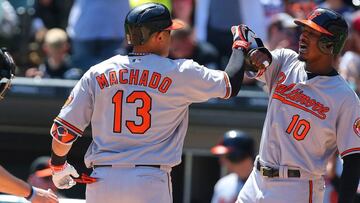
(287, 94)
(138, 77)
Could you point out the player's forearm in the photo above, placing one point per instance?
(60, 149)
(235, 70)
(349, 178)
(59, 152)
(11, 185)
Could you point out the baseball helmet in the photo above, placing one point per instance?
(144, 20)
(235, 145)
(333, 27)
(7, 71)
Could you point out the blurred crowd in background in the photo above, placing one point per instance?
(64, 38)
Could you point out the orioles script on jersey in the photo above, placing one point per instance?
(287, 94)
(139, 77)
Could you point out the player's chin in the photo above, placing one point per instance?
(301, 57)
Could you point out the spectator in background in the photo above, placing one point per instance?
(282, 32)
(183, 10)
(183, 45)
(57, 62)
(96, 30)
(236, 152)
(339, 6)
(349, 66)
(8, 19)
(213, 19)
(50, 14)
(299, 8)
(8, 24)
(167, 3)
(180, 9)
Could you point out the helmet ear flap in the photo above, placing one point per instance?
(326, 45)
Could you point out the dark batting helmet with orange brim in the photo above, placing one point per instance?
(333, 27)
(146, 19)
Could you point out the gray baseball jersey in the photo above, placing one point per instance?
(138, 107)
(307, 119)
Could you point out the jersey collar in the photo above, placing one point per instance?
(311, 75)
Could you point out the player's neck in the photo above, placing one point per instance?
(145, 50)
(321, 66)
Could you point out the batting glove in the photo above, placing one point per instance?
(63, 176)
(242, 36)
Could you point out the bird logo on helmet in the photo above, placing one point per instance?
(333, 27)
(142, 21)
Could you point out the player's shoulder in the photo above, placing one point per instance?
(188, 64)
(171, 62)
(283, 52)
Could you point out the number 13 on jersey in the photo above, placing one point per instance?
(142, 111)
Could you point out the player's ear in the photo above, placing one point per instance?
(162, 35)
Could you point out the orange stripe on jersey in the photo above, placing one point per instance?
(67, 124)
(288, 102)
(228, 87)
(310, 191)
(348, 151)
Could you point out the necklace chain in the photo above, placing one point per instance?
(138, 54)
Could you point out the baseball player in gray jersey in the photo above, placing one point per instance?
(138, 109)
(312, 113)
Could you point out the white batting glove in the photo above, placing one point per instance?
(62, 176)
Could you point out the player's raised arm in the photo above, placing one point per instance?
(243, 38)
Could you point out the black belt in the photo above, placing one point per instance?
(136, 165)
(273, 172)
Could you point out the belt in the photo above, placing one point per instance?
(136, 165)
(273, 172)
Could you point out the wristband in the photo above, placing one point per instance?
(31, 195)
(55, 168)
(57, 160)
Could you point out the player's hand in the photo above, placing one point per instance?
(241, 37)
(259, 58)
(44, 196)
(63, 176)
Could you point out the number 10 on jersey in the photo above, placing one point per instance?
(142, 111)
(299, 128)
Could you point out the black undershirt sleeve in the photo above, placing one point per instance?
(235, 70)
(349, 180)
